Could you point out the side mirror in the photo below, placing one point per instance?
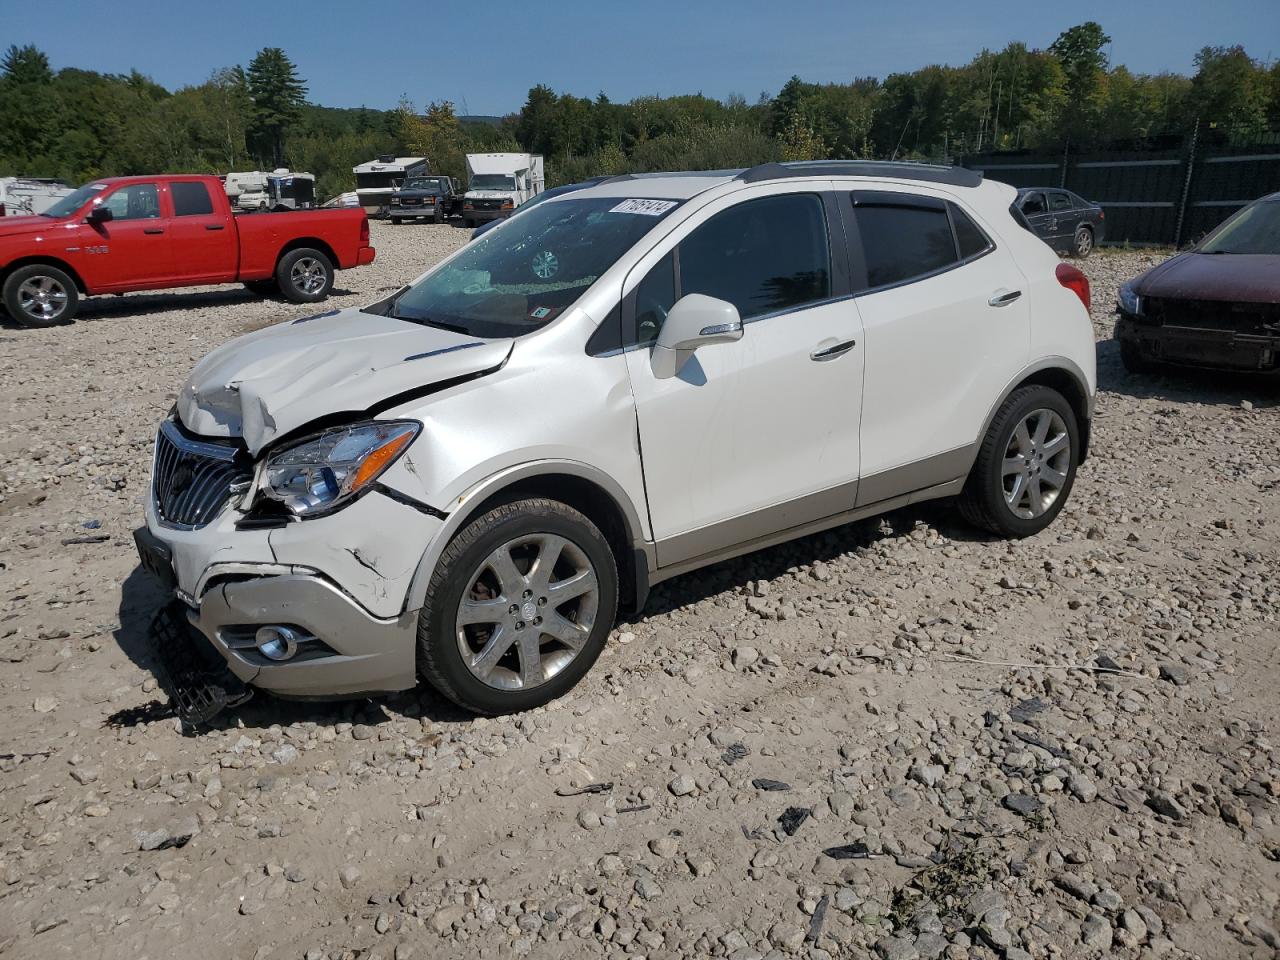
(100, 214)
(694, 321)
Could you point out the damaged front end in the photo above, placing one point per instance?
(1214, 334)
(289, 519)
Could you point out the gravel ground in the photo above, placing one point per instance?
(759, 716)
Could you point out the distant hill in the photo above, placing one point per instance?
(480, 120)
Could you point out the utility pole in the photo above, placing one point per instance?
(1186, 185)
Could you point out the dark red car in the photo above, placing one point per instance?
(1215, 306)
(155, 232)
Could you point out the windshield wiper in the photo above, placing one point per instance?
(428, 322)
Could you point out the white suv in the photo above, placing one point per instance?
(467, 480)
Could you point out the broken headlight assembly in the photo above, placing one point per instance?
(325, 471)
(1130, 302)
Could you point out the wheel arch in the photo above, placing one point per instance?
(585, 488)
(1062, 375)
(62, 265)
(313, 243)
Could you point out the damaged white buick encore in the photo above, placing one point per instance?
(466, 481)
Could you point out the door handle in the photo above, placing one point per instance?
(214, 226)
(830, 353)
(153, 230)
(1002, 298)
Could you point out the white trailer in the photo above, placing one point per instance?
(497, 183)
(376, 180)
(25, 196)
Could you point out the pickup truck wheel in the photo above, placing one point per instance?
(1025, 466)
(518, 608)
(40, 296)
(305, 276)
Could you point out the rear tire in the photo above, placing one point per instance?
(492, 636)
(1082, 245)
(1026, 465)
(40, 296)
(304, 275)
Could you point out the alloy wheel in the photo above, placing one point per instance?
(527, 611)
(42, 297)
(1037, 462)
(1084, 243)
(308, 275)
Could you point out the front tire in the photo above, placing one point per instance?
(519, 607)
(1026, 465)
(304, 276)
(40, 296)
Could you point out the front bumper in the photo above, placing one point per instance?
(484, 216)
(368, 654)
(343, 579)
(1213, 349)
(415, 210)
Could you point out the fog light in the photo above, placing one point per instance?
(277, 643)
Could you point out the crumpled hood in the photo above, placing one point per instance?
(1239, 277)
(268, 383)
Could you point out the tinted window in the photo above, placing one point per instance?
(901, 243)
(969, 236)
(762, 256)
(1059, 201)
(654, 297)
(1033, 203)
(137, 201)
(190, 199)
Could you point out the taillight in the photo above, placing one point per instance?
(364, 228)
(1075, 281)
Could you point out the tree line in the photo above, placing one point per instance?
(79, 124)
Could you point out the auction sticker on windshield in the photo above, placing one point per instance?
(647, 208)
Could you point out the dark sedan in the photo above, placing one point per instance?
(1067, 222)
(1215, 306)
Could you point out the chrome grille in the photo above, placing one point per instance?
(192, 480)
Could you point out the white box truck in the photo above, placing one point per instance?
(24, 196)
(497, 183)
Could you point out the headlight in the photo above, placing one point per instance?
(1130, 302)
(395, 200)
(327, 470)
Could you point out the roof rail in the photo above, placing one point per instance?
(900, 170)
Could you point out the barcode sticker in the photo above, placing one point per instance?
(646, 208)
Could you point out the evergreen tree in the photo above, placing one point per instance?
(277, 95)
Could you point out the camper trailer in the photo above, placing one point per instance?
(376, 180)
(24, 196)
(280, 189)
(497, 183)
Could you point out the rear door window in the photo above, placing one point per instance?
(904, 237)
(190, 199)
(1059, 202)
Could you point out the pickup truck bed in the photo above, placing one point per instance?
(157, 232)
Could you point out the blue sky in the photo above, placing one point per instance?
(354, 53)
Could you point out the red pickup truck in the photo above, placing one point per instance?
(154, 232)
